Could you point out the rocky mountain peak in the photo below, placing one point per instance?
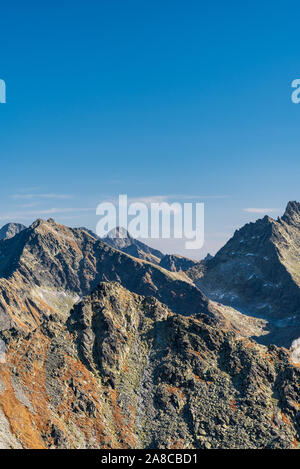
(37, 223)
(208, 257)
(63, 263)
(10, 230)
(119, 232)
(257, 272)
(209, 388)
(292, 213)
(42, 222)
(119, 238)
(107, 350)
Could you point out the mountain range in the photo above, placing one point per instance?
(108, 343)
(122, 240)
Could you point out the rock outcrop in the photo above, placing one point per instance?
(258, 272)
(176, 263)
(124, 371)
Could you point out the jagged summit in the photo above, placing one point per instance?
(10, 230)
(104, 350)
(50, 257)
(208, 257)
(292, 213)
(119, 238)
(258, 272)
(119, 232)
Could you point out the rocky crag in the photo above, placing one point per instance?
(10, 230)
(123, 371)
(258, 273)
(120, 239)
(176, 263)
(103, 350)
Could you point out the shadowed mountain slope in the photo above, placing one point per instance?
(176, 263)
(258, 273)
(48, 266)
(104, 350)
(122, 240)
(259, 268)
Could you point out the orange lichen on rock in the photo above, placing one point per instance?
(174, 390)
(285, 419)
(194, 352)
(22, 421)
(178, 444)
(125, 428)
(232, 404)
(295, 443)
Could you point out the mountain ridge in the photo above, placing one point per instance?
(258, 271)
(48, 262)
(106, 350)
(121, 239)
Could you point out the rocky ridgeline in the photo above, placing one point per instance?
(258, 272)
(176, 263)
(120, 239)
(105, 350)
(47, 267)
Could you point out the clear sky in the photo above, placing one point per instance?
(149, 98)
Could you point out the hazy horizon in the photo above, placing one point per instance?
(167, 246)
(162, 99)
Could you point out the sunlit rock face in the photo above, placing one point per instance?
(99, 349)
(124, 371)
(258, 272)
(10, 230)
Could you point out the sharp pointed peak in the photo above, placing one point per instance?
(118, 232)
(292, 213)
(42, 221)
(37, 222)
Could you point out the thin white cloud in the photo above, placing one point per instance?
(165, 198)
(42, 196)
(29, 205)
(261, 210)
(25, 215)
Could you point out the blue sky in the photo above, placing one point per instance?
(166, 98)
